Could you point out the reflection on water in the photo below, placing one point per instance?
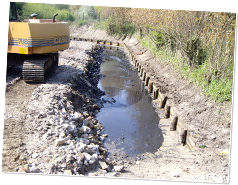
(128, 116)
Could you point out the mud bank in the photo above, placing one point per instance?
(207, 123)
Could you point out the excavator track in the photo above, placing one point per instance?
(35, 69)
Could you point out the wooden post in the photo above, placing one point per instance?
(147, 78)
(183, 136)
(141, 71)
(150, 86)
(155, 94)
(173, 124)
(167, 111)
(163, 102)
(143, 76)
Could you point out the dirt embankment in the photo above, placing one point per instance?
(207, 121)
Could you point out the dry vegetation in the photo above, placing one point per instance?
(198, 44)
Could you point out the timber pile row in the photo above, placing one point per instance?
(158, 93)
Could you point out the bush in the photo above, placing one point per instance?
(113, 27)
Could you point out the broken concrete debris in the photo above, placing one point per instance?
(63, 136)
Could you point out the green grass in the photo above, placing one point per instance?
(218, 89)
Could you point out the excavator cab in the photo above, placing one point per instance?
(12, 12)
(34, 44)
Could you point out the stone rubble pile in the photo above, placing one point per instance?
(62, 135)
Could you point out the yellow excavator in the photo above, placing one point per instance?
(34, 44)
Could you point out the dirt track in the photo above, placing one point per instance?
(17, 97)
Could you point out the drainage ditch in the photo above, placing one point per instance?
(128, 116)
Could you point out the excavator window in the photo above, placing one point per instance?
(13, 12)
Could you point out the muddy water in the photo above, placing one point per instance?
(127, 116)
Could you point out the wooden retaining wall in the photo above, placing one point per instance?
(97, 41)
(185, 137)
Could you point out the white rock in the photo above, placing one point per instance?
(55, 111)
(92, 161)
(46, 152)
(50, 132)
(85, 163)
(42, 115)
(75, 116)
(70, 107)
(69, 158)
(95, 156)
(35, 155)
(62, 135)
(86, 129)
(59, 127)
(118, 168)
(63, 111)
(213, 137)
(101, 138)
(45, 136)
(59, 142)
(34, 170)
(67, 172)
(103, 165)
(94, 148)
(64, 165)
(65, 126)
(114, 174)
(87, 156)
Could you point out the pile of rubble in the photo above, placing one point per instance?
(62, 135)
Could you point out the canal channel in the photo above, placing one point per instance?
(128, 116)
